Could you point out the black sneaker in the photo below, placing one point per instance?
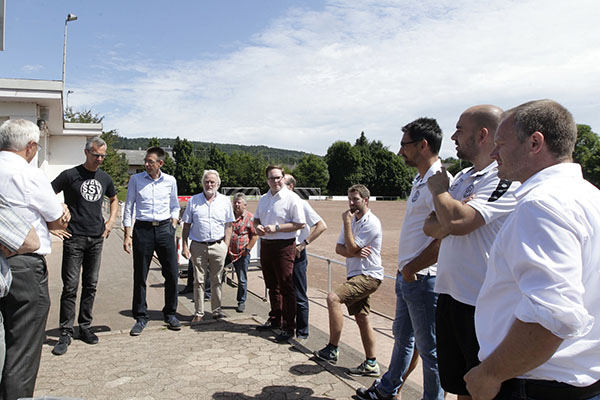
(267, 326)
(241, 307)
(87, 336)
(284, 337)
(372, 393)
(328, 353)
(61, 347)
(138, 328)
(173, 324)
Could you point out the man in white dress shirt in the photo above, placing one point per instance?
(207, 222)
(537, 315)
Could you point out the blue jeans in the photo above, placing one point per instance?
(300, 266)
(80, 254)
(414, 324)
(241, 270)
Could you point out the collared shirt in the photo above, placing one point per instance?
(13, 232)
(285, 206)
(544, 268)
(462, 260)
(419, 205)
(312, 218)
(208, 218)
(154, 199)
(242, 232)
(29, 193)
(367, 232)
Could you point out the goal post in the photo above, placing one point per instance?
(252, 193)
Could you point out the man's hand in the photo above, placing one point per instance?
(185, 252)
(299, 249)
(5, 251)
(270, 229)
(438, 183)
(365, 252)
(408, 276)
(108, 226)
(127, 243)
(480, 385)
(61, 233)
(66, 216)
(260, 230)
(348, 215)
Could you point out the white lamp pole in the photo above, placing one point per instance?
(70, 17)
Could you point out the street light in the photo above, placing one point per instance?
(70, 17)
(68, 93)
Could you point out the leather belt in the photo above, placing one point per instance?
(210, 243)
(153, 223)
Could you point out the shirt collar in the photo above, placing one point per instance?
(147, 175)
(436, 166)
(567, 170)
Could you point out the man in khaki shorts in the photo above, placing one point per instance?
(360, 242)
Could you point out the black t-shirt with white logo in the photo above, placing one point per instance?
(84, 191)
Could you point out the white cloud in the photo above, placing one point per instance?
(32, 68)
(311, 78)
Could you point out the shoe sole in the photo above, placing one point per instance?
(371, 374)
(173, 328)
(332, 362)
(135, 333)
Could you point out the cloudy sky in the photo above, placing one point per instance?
(303, 74)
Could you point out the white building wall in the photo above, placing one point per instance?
(65, 152)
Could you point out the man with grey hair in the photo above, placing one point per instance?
(207, 222)
(537, 313)
(84, 188)
(28, 192)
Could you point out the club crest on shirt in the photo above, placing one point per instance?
(416, 196)
(468, 191)
(91, 190)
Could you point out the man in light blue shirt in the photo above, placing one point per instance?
(154, 195)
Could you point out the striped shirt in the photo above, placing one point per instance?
(243, 230)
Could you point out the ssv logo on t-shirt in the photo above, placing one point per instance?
(91, 190)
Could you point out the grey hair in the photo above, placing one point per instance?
(98, 141)
(240, 195)
(212, 172)
(15, 134)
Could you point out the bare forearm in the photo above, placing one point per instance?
(433, 228)
(456, 217)
(31, 243)
(427, 258)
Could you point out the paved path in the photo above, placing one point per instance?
(216, 359)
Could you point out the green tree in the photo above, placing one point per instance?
(343, 165)
(187, 173)
(83, 116)
(218, 161)
(245, 170)
(312, 171)
(458, 165)
(114, 164)
(587, 154)
(154, 142)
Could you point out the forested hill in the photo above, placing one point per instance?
(290, 157)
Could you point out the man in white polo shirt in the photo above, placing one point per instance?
(279, 215)
(468, 216)
(360, 242)
(537, 315)
(207, 222)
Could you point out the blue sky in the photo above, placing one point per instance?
(303, 74)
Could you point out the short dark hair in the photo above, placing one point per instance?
(157, 151)
(361, 190)
(425, 128)
(551, 119)
(271, 167)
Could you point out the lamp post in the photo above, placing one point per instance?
(68, 93)
(70, 17)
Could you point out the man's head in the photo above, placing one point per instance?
(275, 177)
(239, 203)
(420, 141)
(20, 136)
(95, 153)
(210, 182)
(533, 136)
(290, 181)
(358, 198)
(155, 158)
(475, 130)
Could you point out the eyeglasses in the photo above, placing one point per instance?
(275, 178)
(97, 155)
(403, 144)
(38, 146)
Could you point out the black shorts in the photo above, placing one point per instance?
(457, 344)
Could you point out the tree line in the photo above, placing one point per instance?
(366, 161)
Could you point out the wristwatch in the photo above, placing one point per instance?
(305, 242)
(277, 227)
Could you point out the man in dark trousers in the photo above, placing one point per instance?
(84, 188)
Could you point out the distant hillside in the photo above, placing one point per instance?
(289, 157)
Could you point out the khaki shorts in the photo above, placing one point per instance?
(355, 293)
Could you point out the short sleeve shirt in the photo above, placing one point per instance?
(208, 219)
(283, 207)
(84, 193)
(367, 232)
(312, 218)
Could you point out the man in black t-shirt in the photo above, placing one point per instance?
(84, 188)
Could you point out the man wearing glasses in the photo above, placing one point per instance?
(84, 188)
(28, 192)
(278, 217)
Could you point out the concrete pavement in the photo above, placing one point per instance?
(216, 359)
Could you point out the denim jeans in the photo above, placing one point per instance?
(300, 266)
(241, 270)
(80, 254)
(414, 324)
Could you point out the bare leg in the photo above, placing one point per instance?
(336, 318)
(366, 334)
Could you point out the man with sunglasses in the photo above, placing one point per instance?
(84, 188)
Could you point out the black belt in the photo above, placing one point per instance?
(153, 223)
(209, 243)
(550, 390)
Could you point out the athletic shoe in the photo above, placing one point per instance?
(173, 323)
(267, 326)
(328, 353)
(87, 336)
(63, 344)
(284, 337)
(138, 328)
(372, 393)
(365, 369)
(241, 307)
(218, 314)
